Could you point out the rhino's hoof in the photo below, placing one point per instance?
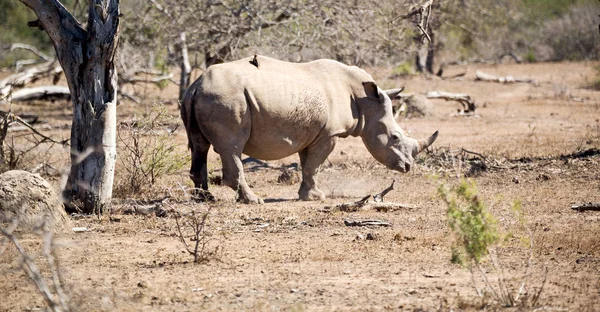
(251, 201)
(311, 195)
(202, 196)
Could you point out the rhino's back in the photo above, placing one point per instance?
(278, 76)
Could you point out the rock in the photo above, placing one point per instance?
(417, 105)
(371, 236)
(288, 176)
(31, 199)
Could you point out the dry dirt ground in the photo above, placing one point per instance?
(300, 256)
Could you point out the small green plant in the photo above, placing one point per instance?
(403, 69)
(476, 236)
(474, 227)
(530, 57)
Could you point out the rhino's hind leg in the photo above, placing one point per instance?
(233, 176)
(199, 171)
(311, 159)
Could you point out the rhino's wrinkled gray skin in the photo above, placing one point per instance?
(278, 108)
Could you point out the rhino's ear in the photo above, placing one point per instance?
(371, 90)
(393, 93)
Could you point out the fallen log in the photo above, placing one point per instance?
(158, 79)
(28, 76)
(462, 98)
(38, 93)
(587, 207)
(366, 223)
(479, 75)
(390, 207)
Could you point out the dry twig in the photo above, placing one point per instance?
(14, 118)
(57, 301)
(31, 49)
(376, 203)
(378, 198)
(197, 222)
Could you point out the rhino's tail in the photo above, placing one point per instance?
(188, 115)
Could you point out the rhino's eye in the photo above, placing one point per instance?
(396, 137)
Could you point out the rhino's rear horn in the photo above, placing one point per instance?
(423, 144)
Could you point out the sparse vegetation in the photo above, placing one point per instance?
(147, 151)
(23, 150)
(193, 233)
(404, 69)
(535, 143)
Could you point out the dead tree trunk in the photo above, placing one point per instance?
(87, 58)
(425, 43)
(186, 68)
(426, 54)
(430, 52)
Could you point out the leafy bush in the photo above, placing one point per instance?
(474, 227)
(574, 35)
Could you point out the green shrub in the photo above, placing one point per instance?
(474, 227)
(404, 69)
(530, 57)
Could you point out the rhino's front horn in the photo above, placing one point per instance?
(423, 144)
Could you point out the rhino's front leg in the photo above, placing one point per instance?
(233, 176)
(311, 159)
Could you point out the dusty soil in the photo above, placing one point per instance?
(292, 255)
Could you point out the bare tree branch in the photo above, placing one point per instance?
(31, 49)
(12, 117)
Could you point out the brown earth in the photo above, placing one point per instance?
(296, 256)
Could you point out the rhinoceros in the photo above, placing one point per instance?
(270, 109)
